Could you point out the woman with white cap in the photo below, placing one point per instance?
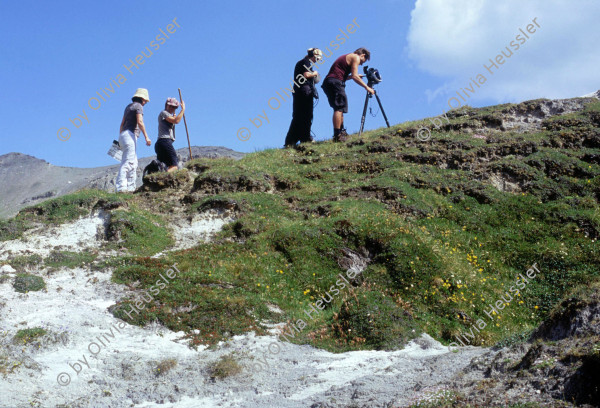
(132, 123)
(165, 152)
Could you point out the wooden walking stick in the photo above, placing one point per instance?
(186, 129)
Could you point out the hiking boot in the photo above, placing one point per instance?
(343, 136)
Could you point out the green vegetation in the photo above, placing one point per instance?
(26, 261)
(26, 336)
(516, 338)
(12, 229)
(67, 259)
(375, 321)
(448, 398)
(141, 232)
(70, 207)
(225, 366)
(451, 402)
(59, 210)
(164, 366)
(447, 225)
(442, 398)
(8, 365)
(25, 282)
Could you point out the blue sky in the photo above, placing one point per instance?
(231, 57)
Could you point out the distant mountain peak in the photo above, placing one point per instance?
(27, 180)
(13, 156)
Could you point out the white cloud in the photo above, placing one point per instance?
(454, 39)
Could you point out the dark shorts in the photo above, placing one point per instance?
(336, 94)
(165, 152)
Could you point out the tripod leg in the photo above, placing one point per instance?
(362, 120)
(382, 111)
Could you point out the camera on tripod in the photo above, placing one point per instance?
(372, 75)
(373, 78)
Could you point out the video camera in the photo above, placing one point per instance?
(372, 75)
(373, 78)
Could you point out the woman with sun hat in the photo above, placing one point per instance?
(131, 125)
(165, 152)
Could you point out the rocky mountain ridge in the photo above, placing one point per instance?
(26, 180)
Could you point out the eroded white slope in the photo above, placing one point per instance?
(120, 370)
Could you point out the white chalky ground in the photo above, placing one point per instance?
(123, 371)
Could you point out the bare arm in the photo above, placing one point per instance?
(309, 74)
(354, 63)
(122, 123)
(140, 122)
(176, 119)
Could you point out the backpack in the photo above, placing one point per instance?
(155, 166)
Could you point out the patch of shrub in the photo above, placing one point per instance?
(139, 231)
(26, 336)
(164, 367)
(224, 367)
(374, 320)
(69, 259)
(409, 263)
(66, 208)
(12, 229)
(19, 262)
(25, 282)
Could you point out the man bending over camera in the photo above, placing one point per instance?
(344, 68)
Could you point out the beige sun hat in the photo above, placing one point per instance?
(142, 93)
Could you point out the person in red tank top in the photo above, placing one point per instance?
(344, 68)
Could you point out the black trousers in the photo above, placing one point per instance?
(165, 152)
(302, 118)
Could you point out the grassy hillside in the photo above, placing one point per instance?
(446, 226)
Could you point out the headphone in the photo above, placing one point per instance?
(315, 53)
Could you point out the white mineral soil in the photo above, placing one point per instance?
(119, 368)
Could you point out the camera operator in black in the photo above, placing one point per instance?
(302, 114)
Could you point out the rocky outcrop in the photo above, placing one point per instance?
(558, 366)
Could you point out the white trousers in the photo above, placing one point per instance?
(127, 177)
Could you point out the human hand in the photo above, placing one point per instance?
(371, 90)
(182, 105)
(148, 142)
